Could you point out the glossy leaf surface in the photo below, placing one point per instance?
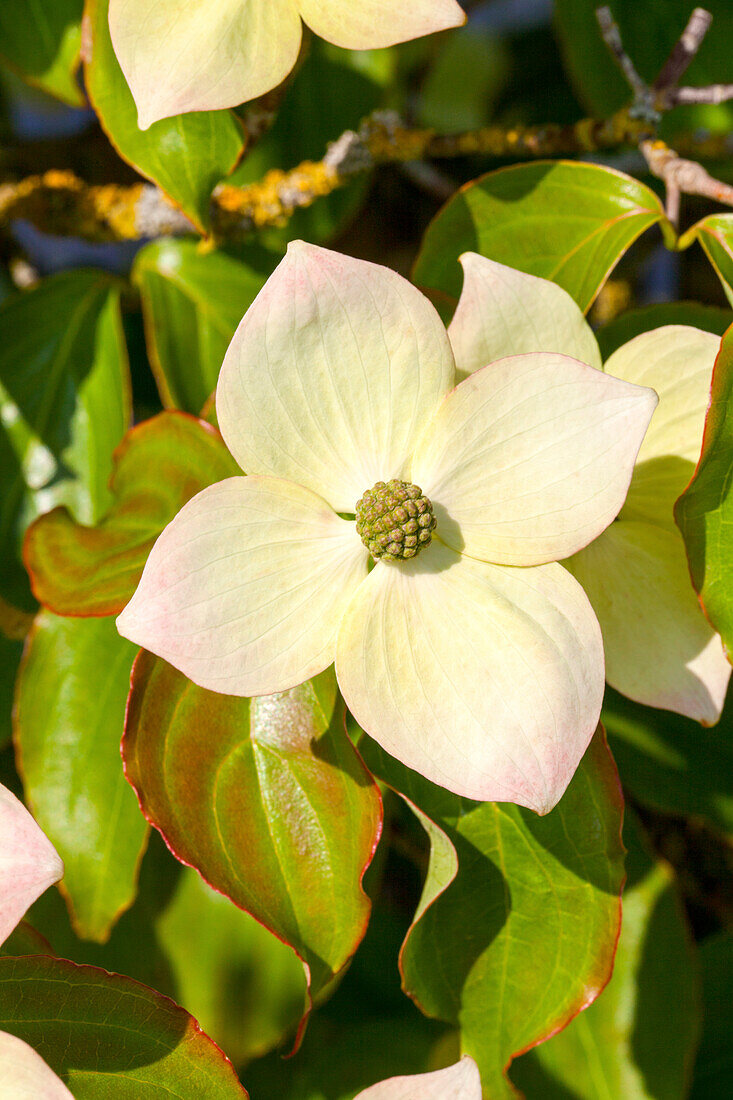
(40, 40)
(568, 222)
(266, 798)
(64, 397)
(160, 464)
(715, 234)
(704, 512)
(637, 1041)
(523, 936)
(70, 708)
(186, 156)
(92, 1028)
(671, 763)
(192, 303)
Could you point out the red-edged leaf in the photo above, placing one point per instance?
(519, 935)
(106, 1035)
(159, 465)
(266, 798)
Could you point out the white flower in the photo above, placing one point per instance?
(478, 662)
(200, 55)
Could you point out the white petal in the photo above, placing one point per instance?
(29, 863)
(530, 458)
(659, 647)
(371, 24)
(332, 375)
(677, 361)
(179, 56)
(458, 1082)
(245, 589)
(505, 312)
(24, 1075)
(485, 679)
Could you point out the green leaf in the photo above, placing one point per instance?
(464, 80)
(638, 1040)
(65, 405)
(649, 31)
(160, 464)
(526, 930)
(40, 40)
(715, 234)
(70, 710)
(11, 650)
(266, 798)
(672, 764)
(635, 321)
(332, 92)
(192, 303)
(185, 156)
(243, 985)
(565, 221)
(106, 1035)
(704, 512)
(713, 1075)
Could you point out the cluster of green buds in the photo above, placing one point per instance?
(395, 521)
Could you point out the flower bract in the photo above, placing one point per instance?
(660, 649)
(458, 1082)
(477, 662)
(198, 55)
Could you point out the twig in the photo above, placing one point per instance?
(713, 95)
(684, 50)
(682, 176)
(611, 35)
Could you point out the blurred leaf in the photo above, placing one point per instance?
(243, 985)
(715, 234)
(40, 40)
(526, 930)
(106, 1035)
(11, 650)
(635, 321)
(70, 710)
(638, 1040)
(159, 465)
(463, 81)
(332, 92)
(649, 31)
(704, 512)
(186, 156)
(64, 403)
(672, 764)
(713, 1075)
(266, 798)
(192, 303)
(565, 221)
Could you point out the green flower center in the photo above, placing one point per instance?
(395, 520)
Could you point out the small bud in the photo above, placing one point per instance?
(395, 521)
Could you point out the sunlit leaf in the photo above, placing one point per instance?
(101, 1031)
(523, 937)
(637, 1041)
(65, 404)
(565, 221)
(70, 709)
(266, 798)
(160, 464)
(192, 303)
(715, 234)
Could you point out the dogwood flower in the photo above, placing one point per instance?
(405, 528)
(458, 1082)
(29, 864)
(660, 649)
(199, 55)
